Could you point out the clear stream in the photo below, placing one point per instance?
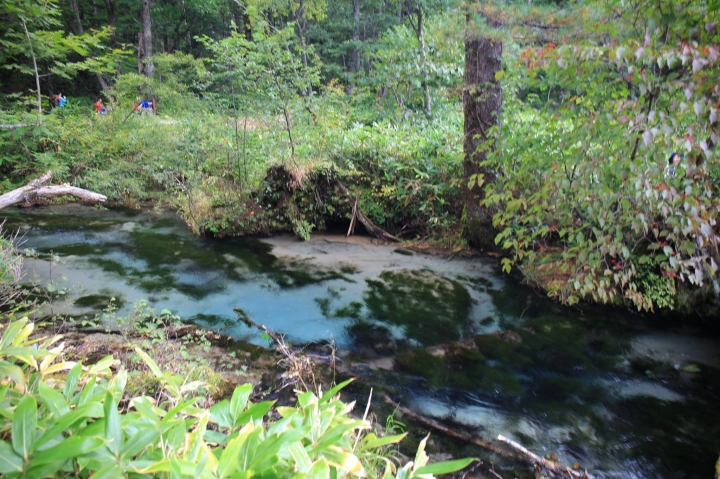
(624, 395)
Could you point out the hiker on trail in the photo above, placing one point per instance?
(146, 106)
(61, 100)
(673, 163)
(99, 107)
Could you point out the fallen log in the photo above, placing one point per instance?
(36, 189)
(552, 468)
(374, 230)
(487, 445)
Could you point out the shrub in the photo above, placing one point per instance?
(81, 423)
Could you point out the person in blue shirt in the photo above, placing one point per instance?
(61, 100)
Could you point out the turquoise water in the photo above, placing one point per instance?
(622, 394)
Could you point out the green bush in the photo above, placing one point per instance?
(62, 419)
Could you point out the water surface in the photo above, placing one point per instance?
(624, 395)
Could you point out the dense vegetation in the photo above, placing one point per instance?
(551, 137)
(267, 107)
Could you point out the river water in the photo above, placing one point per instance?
(624, 395)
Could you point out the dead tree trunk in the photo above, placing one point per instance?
(482, 99)
(35, 189)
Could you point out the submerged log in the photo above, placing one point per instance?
(551, 468)
(35, 189)
(372, 228)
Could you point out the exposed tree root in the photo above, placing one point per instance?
(35, 189)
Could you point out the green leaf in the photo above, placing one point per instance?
(254, 412)
(157, 372)
(220, 414)
(71, 447)
(9, 461)
(239, 401)
(111, 471)
(90, 410)
(332, 392)
(301, 457)
(54, 401)
(12, 371)
(372, 442)
(113, 427)
(23, 426)
(71, 381)
(229, 459)
(445, 467)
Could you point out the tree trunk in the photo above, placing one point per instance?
(77, 29)
(423, 58)
(35, 189)
(482, 99)
(301, 21)
(355, 52)
(145, 64)
(35, 70)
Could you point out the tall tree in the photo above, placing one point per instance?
(482, 100)
(145, 48)
(416, 15)
(77, 28)
(355, 52)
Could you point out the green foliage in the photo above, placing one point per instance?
(10, 269)
(59, 424)
(398, 68)
(582, 164)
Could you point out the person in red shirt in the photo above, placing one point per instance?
(99, 107)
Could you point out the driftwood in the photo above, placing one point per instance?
(297, 365)
(353, 222)
(374, 230)
(487, 445)
(553, 468)
(35, 189)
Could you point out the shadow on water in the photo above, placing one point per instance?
(626, 395)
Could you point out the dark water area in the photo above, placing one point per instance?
(623, 394)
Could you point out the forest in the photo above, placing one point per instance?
(575, 142)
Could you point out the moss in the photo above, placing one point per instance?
(352, 310)
(370, 335)
(500, 349)
(99, 301)
(432, 309)
(349, 269)
(465, 369)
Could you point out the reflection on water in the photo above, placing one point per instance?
(617, 394)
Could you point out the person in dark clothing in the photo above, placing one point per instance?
(673, 163)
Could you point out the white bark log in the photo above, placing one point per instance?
(35, 189)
